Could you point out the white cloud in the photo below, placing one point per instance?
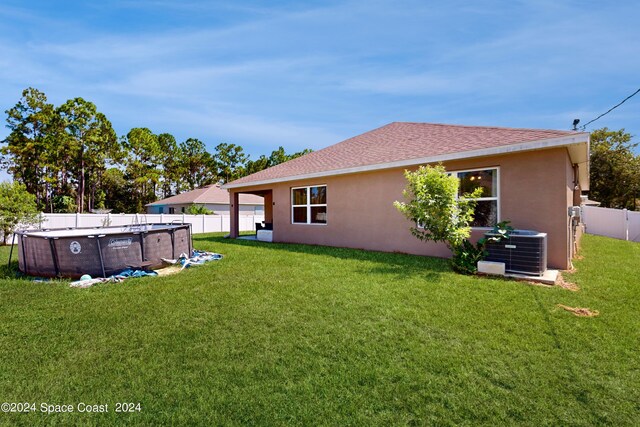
(263, 134)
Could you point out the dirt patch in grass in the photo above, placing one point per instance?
(561, 282)
(167, 271)
(580, 312)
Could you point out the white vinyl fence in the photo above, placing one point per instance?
(617, 223)
(199, 223)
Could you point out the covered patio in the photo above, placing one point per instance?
(264, 231)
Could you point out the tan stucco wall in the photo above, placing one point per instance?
(360, 212)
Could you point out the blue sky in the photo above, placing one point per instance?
(310, 74)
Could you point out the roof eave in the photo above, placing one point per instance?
(564, 141)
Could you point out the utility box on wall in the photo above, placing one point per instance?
(525, 252)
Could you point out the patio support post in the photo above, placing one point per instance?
(235, 215)
(268, 207)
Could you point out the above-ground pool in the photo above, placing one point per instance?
(100, 251)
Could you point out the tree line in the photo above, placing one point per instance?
(71, 160)
(614, 169)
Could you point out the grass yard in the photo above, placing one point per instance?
(289, 334)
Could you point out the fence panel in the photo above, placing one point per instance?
(199, 223)
(605, 221)
(213, 222)
(120, 219)
(634, 226)
(226, 223)
(166, 218)
(248, 222)
(616, 223)
(59, 220)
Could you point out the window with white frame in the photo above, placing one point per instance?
(486, 213)
(309, 205)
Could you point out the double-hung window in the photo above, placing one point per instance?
(309, 205)
(486, 213)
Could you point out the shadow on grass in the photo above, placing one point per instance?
(9, 271)
(395, 264)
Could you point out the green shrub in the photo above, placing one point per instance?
(18, 208)
(433, 202)
(198, 210)
(466, 255)
(64, 204)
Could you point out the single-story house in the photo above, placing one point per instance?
(343, 195)
(211, 197)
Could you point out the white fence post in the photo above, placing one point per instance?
(626, 224)
(77, 219)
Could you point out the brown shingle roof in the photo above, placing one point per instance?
(212, 194)
(400, 141)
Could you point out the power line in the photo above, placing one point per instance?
(610, 109)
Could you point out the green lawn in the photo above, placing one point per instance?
(289, 334)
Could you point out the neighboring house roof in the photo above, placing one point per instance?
(401, 144)
(210, 194)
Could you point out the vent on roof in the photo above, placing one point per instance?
(525, 252)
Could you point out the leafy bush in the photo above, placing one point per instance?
(502, 230)
(64, 204)
(17, 208)
(198, 210)
(466, 255)
(435, 205)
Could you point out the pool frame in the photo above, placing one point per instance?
(100, 251)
